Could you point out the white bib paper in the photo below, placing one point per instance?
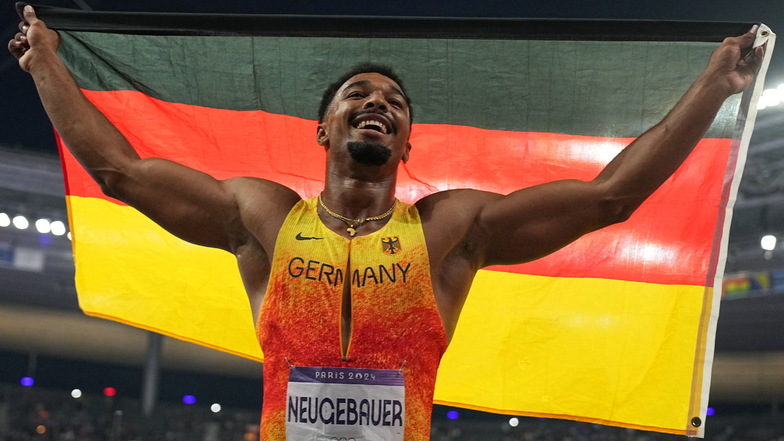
(345, 404)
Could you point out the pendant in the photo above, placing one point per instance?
(351, 231)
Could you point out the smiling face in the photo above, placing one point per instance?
(369, 114)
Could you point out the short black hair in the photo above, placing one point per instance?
(332, 89)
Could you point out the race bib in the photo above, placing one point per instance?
(345, 404)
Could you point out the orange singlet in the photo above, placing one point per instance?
(395, 322)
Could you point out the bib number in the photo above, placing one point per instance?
(345, 404)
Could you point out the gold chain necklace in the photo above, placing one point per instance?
(353, 224)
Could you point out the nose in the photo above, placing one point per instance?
(376, 100)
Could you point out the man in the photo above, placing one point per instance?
(304, 263)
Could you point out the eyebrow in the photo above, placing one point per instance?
(366, 82)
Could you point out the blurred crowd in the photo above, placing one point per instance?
(32, 413)
(737, 428)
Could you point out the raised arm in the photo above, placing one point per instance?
(188, 203)
(534, 222)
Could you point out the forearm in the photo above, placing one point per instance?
(652, 158)
(93, 140)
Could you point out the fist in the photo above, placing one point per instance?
(32, 40)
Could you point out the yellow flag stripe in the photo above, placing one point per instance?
(588, 349)
(137, 273)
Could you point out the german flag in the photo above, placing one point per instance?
(616, 328)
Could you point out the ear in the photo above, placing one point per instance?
(321, 135)
(407, 152)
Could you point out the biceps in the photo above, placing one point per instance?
(190, 204)
(534, 222)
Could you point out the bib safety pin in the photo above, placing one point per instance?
(401, 367)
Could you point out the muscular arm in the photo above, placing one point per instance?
(188, 203)
(534, 222)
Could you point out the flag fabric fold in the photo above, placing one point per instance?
(616, 328)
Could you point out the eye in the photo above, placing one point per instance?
(355, 94)
(396, 103)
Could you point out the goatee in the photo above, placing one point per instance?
(369, 153)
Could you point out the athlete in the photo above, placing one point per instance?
(302, 256)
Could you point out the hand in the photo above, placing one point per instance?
(33, 39)
(734, 64)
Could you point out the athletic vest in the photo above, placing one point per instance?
(395, 322)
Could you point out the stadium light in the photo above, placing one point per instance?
(771, 97)
(58, 228)
(768, 242)
(43, 226)
(20, 222)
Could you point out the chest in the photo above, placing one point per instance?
(318, 278)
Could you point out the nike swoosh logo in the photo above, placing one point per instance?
(301, 237)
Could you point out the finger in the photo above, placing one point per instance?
(752, 62)
(759, 55)
(755, 53)
(16, 47)
(29, 15)
(21, 38)
(751, 34)
(743, 41)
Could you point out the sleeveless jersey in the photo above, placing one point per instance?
(395, 322)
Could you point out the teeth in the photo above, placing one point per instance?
(364, 124)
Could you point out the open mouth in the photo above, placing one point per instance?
(372, 121)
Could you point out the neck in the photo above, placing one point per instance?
(358, 199)
(361, 191)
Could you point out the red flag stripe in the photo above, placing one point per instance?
(225, 143)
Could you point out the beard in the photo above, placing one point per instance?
(369, 153)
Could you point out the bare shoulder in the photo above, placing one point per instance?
(449, 218)
(262, 205)
(248, 189)
(458, 202)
